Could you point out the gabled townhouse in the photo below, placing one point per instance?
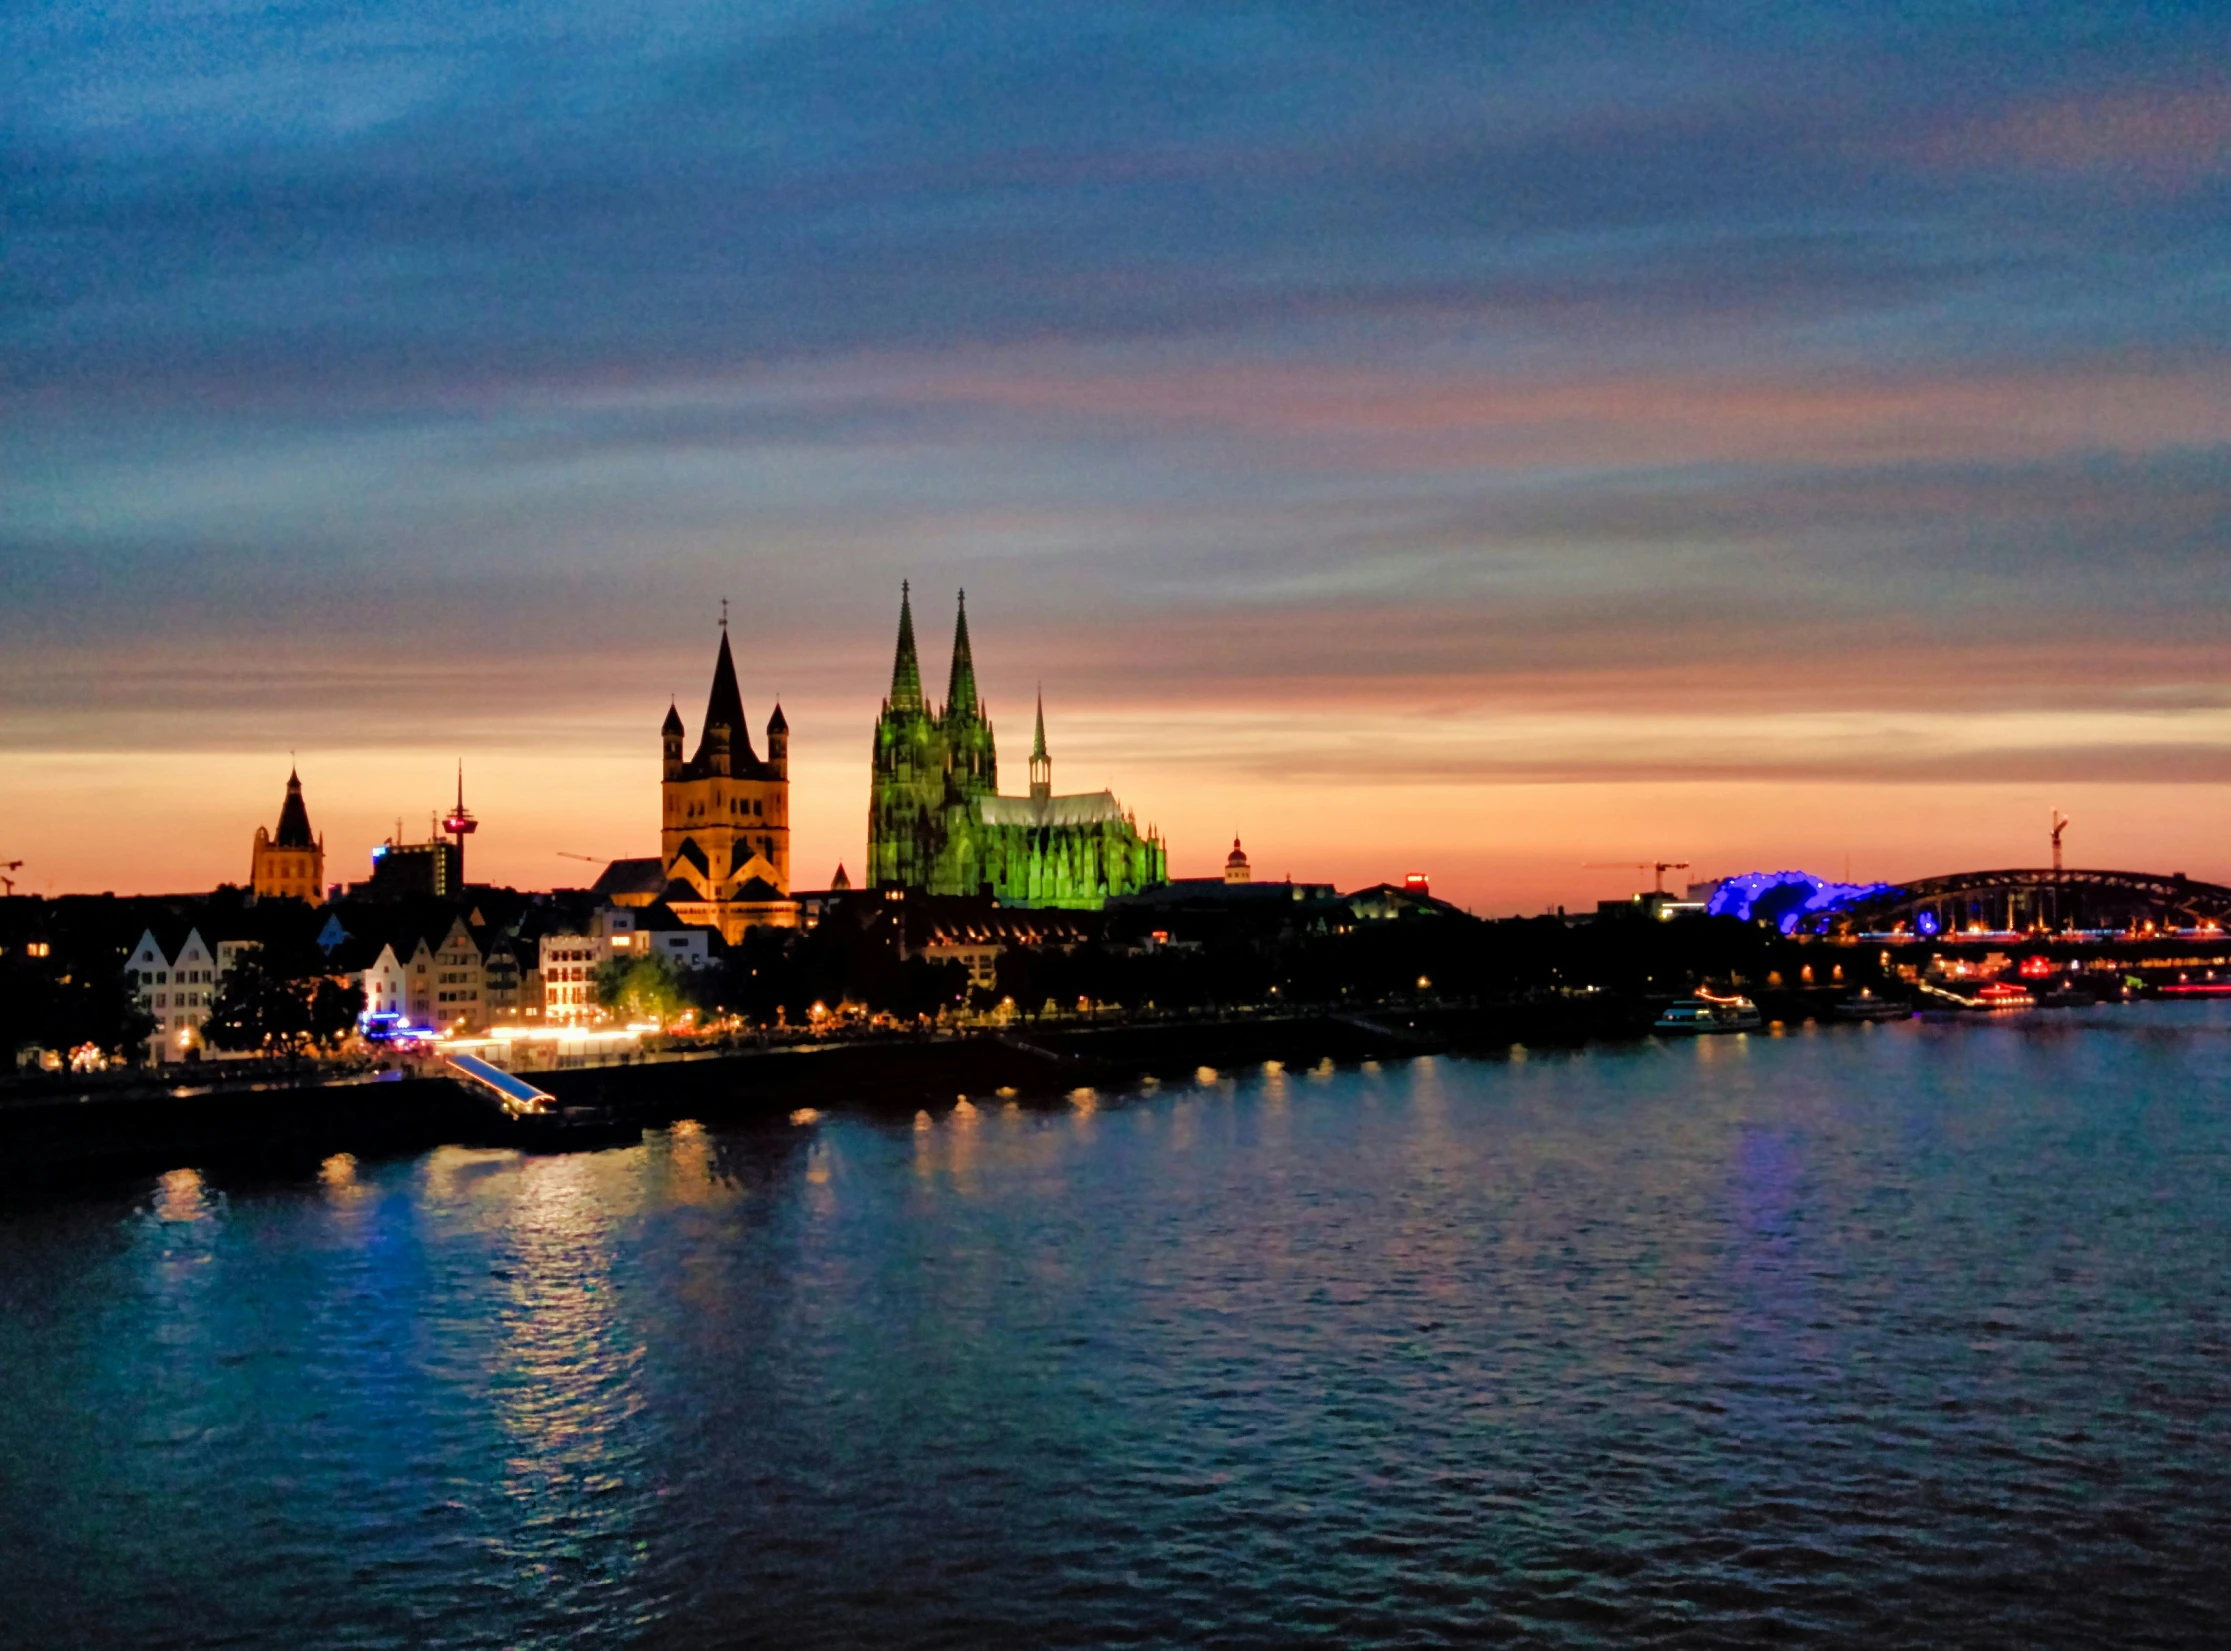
(418, 979)
(371, 965)
(174, 976)
(460, 984)
(506, 981)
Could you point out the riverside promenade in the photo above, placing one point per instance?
(57, 1133)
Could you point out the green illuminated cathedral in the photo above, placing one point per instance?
(936, 820)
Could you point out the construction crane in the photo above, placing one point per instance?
(1659, 867)
(8, 882)
(2060, 824)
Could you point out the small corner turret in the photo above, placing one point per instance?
(778, 743)
(670, 742)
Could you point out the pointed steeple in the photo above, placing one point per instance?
(906, 669)
(960, 687)
(1041, 765)
(294, 818)
(724, 714)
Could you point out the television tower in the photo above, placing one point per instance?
(460, 824)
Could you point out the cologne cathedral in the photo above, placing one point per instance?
(936, 820)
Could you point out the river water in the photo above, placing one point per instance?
(1871, 1336)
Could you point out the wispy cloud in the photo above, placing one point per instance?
(2170, 139)
(1405, 361)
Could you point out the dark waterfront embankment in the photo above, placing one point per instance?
(69, 1137)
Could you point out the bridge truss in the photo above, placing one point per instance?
(2036, 897)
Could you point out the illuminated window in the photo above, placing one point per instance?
(37, 948)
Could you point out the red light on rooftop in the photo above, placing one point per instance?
(1416, 882)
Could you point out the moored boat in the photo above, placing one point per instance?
(1864, 1005)
(1706, 1013)
(1998, 997)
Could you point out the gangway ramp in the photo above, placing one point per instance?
(517, 1096)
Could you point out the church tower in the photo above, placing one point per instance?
(971, 756)
(724, 837)
(906, 787)
(290, 866)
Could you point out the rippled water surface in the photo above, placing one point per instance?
(1878, 1335)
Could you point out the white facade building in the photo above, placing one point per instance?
(385, 983)
(176, 989)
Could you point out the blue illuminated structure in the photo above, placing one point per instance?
(385, 1026)
(1790, 900)
(2008, 899)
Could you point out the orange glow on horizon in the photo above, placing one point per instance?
(1497, 840)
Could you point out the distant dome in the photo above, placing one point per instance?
(1235, 864)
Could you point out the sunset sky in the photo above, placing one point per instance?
(1472, 439)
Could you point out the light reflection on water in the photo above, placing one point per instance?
(1888, 1333)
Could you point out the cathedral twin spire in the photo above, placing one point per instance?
(961, 700)
(960, 686)
(906, 669)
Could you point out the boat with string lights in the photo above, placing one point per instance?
(1998, 997)
(1707, 1013)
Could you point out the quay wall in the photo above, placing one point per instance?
(59, 1139)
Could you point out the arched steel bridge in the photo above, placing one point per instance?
(2036, 896)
